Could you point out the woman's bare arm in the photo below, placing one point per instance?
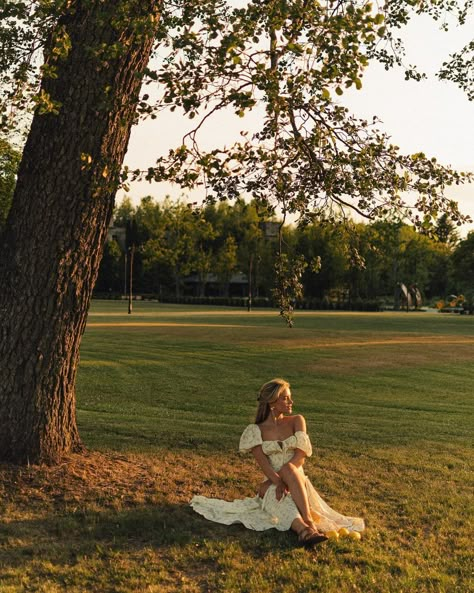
(268, 470)
(299, 425)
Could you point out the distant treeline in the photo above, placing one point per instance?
(209, 254)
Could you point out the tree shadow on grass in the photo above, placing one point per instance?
(150, 541)
(106, 522)
(154, 526)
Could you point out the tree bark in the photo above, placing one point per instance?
(57, 226)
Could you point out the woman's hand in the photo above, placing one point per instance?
(281, 489)
(263, 487)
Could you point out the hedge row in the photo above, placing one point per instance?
(465, 309)
(355, 305)
(257, 302)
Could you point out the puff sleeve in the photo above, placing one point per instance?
(303, 442)
(251, 437)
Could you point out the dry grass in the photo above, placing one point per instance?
(106, 480)
(103, 522)
(123, 517)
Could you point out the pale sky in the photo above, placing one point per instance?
(430, 116)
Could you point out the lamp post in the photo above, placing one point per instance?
(131, 251)
(131, 236)
(125, 267)
(249, 301)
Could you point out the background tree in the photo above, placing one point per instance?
(111, 272)
(440, 280)
(329, 244)
(226, 263)
(124, 212)
(203, 259)
(463, 266)
(9, 161)
(416, 265)
(173, 242)
(353, 261)
(445, 231)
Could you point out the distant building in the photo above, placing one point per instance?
(237, 285)
(119, 234)
(270, 228)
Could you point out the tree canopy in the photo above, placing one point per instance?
(294, 60)
(311, 156)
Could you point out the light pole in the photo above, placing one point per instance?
(125, 266)
(131, 251)
(249, 301)
(131, 236)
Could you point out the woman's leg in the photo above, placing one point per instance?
(307, 535)
(295, 481)
(298, 526)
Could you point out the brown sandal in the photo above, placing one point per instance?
(310, 537)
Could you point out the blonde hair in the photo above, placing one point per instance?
(268, 394)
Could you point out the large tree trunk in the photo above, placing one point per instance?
(57, 227)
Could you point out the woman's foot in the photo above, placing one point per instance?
(310, 536)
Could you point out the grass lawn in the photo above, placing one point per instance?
(163, 396)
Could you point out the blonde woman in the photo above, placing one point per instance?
(286, 499)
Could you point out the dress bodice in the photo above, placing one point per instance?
(278, 452)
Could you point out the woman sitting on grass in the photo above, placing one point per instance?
(287, 499)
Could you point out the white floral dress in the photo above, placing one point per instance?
(268, 512)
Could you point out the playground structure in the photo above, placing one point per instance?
(407, 297)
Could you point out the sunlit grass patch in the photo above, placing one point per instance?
(388, 402)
